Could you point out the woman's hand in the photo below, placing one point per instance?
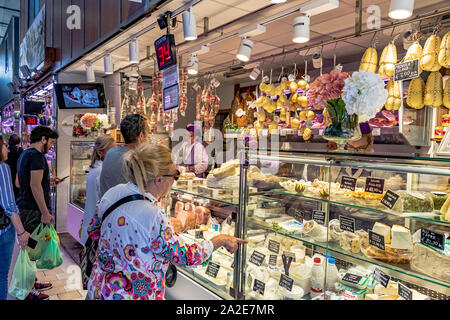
(229, 242)
(23, 239)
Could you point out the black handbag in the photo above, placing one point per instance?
(5, 221)
(171, 275)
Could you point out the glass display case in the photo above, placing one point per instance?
(327, 226)
(81, 153)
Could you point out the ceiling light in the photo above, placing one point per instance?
(301, 29)
(134, 51)
(189, 25)
(320, 6)
(278, 1)
(132, 84)
(192, 65)
(245, 50)
(109, 69)
(401, 9)
(90, 74)
(255, 73)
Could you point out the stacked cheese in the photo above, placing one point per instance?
(445, 210)
(397, 237)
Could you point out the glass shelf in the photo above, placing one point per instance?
(339, 203)
(190, 273)
(225, 201)
(334, 247)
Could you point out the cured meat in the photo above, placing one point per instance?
(202, 214)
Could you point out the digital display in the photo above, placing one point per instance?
(80, 96)
(31, 120)
(166, 51)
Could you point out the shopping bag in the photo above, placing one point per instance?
(51, 256)
(42, 236)
(24, 276)
(53, 231)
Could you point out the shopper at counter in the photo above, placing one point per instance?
(34, 198)
(14, 153)
(7, 235)
(135, 131)
(193, 155)
(137, 241)
(102, 145)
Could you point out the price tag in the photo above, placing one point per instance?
(352, 278)
(404, 292)
(286, 282)
(319, 216)
(212, 269)
(257, 258)
(377, 240)
(259, 286)
(298, 215)
(406, 70)
(376, 132)
(283, 132)
(347, 224)
(381, 277)
(433, 239)
(348, 183)
(199, 235)
(374, 185)
(320, 132)
(273, 259)
(390, 199)
(274, 246)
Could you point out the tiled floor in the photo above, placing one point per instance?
(66, 280)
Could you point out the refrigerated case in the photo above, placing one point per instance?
(379, 217)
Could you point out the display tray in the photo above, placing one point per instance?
(335, 248)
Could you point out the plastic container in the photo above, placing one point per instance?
(317, 278)
(296, 293)
(332, 274)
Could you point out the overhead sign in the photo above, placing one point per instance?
(166, 53)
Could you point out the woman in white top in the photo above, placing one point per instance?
(102, 145)
(137, 241)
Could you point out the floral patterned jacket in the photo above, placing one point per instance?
(136, 245)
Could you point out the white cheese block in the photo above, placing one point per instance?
(391, 290)
(401, 238)
(383, 230)
(430, 262)
(373, 296)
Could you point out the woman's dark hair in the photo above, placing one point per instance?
(13, 140)
(41, 131)
(131, 126)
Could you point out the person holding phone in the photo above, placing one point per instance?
(9, 208)
(33, 178)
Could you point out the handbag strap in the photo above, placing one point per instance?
(133, 197)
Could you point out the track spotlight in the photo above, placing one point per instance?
(245, 50)
(134, 51)
(189, 25)
(90, 74)
(109, 69)
(301, 29)
(401, 9)
(255, 73)
(192, 65)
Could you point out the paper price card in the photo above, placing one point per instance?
(347, 224)
(348, 183)
(274, 246)
(286, 282)
(404, 292)
(381, 277)
(259, 286)
(273, 259)
(319, 217)
(374, 185)
(433, 239)
(390, 199)
(257, 258)
(212, 269)
(377, 240)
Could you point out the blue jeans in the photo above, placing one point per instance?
(6, 250)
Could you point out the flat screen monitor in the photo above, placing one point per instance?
(80, 96)
(34, 107)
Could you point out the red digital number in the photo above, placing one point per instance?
(161, 55)
(167, 52)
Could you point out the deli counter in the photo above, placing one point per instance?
(320, 226)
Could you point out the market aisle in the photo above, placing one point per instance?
(66, 283)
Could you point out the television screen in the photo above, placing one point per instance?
(80, 96)
(34, 107)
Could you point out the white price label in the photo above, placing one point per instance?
(376, 132)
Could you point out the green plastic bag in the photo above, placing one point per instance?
(51, 256)
(42, 236)
(54, 234)
(24, 276)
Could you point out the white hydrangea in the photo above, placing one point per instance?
(364, 93)
(104, 120)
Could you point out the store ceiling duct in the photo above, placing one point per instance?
(320, 6)
(189, 25)
(401, 9)
(109, 68)
(192, 65)
(301, 29)
(245, 50)
(134, 51)
(90, 74)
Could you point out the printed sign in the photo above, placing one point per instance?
(390, 199)
(404, 292)
(259, 286)
(319, 217)
(212, 269)
(352, 278)
(347, 224)
(257, 258)
(381, 277)
(273, 259)
(298, 215)
(286, 282)
(274, 246)
(406, 70)
(348, 183)
(377, 240)
(374, 185)
(433, 239)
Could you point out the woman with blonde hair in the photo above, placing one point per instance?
(101, 147)
(137, 241)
